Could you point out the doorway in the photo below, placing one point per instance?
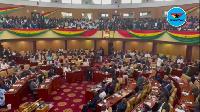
(115, 17)
(35, 15)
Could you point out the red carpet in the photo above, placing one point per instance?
(69, 98)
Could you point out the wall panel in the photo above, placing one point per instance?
(171, 49)
(53, 44)
(80, 44)
(195, 52)
(118, 45)
(145, 46)
(19, 45)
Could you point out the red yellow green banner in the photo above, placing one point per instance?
(27, 32)
(190, 10)
(189, 37)
(74, 32)
(146, 34)
(1, 31)
(48, 14)
(7, 10)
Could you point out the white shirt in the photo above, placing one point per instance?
(105, 111)
(102, 95)
(67, 69)
(180, 61)
(147, 55)
(159, 62)
(85, 64)
(4, 66)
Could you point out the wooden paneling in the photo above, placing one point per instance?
(80, 44)
(118, 45)
(145, 46)
(104, 45)
(19, 45)
(171, 49)
(195, 52)
(47, 44)
(157, 12)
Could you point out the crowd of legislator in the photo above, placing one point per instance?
(192, 24)
(163, 62)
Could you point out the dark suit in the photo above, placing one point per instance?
(24, 74)
(167, 70)
(41, 78)
(112, 71)
(50, 74)
(157, 106)
(89, 74)
(3, 86)
(111, 88)
(91, 104)
(191, 74)
(103, 69)
(15, 79)
(121, 107)
(159, 79)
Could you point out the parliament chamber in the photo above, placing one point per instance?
(99, 56)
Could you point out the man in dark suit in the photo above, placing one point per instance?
(13, 63)
(167, 69)
(24, 73)
(89, 74)
(15, 78)
(3, 86)
(191, 74)
(104, 69)
(41, 78)
(111, 88)
(112, 71)
(34, 86)
(158, 78)
(161, 105)
(26, 57)
(51, 73)
(121, 107)
(91, 104)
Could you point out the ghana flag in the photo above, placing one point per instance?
(27, 32)
(48, 14)
(7, 10)
(146, 34)
(176, 15)
(190, 10)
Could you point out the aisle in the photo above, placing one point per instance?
(69, 98)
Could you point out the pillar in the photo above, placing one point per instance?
(95, 44)
(34, 47)
(154, 48)
(124, 46)
(189, 52)
(65, 44)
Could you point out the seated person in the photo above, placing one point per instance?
(9, 81)
(25, 73)
(37, 69)
(168, 85)
(102, 93)
(3, 86)
(167, 69)
(105, 88)
(51, 73)
(66, 69)
(85, 63)
(91, 104)
(158, 78)
(184, 68)
(140, 90)
(13, 63)
(138, 67)
(161, 105)
(4, 65)
(2, 97)
(34, 86)
(49, 57)
(190, 83)
(41, 78)
(17, 68)
(115, 79)
(104, 69)
(121, 107)
(146, 108)
(111, 88)
(139, 81)
(15, 78)
(26, 57)
(112, 71)
(103, 108)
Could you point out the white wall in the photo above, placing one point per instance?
(114, 5)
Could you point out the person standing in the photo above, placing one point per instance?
(89, 74)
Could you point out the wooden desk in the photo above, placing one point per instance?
(74, 76)
(89, 93)
(177, 72)
(131, 85)
(145, 74)
(182, 86)
(99, 76)
(151, 98)
(47, 87)
(24, 105)
(15, 98)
